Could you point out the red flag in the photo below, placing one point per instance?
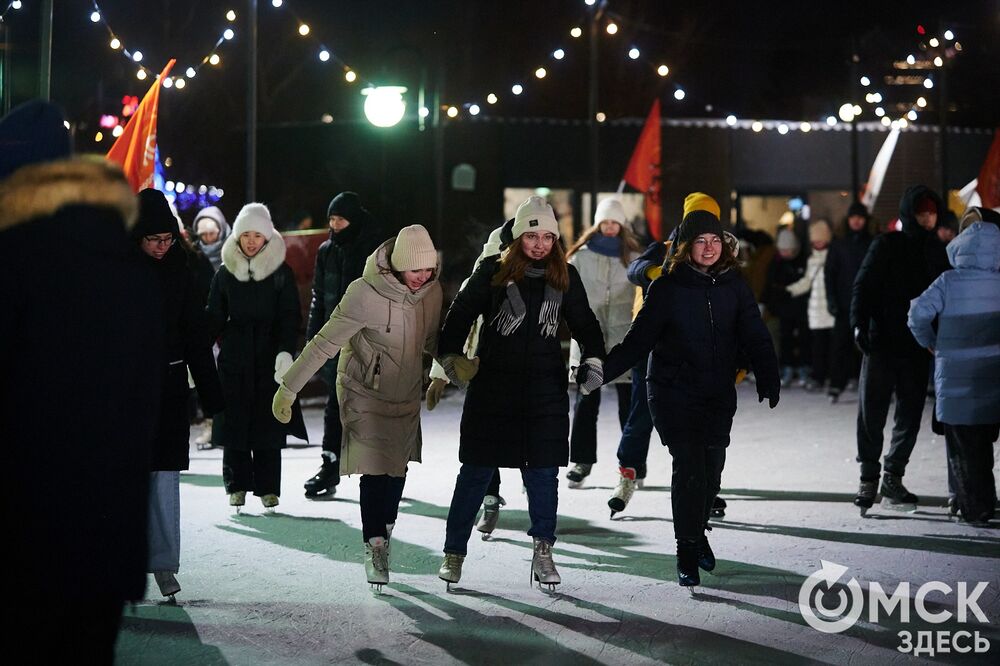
(989, 175)
(643, 172)
(135, 149)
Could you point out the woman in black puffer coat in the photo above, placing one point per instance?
(187, 346)
(516, 409)
(696, 319)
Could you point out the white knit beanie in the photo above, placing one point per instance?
(413, 249)
(254, 217)
(609, 209)
(535, 215)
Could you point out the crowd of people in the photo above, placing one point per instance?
(674, 328)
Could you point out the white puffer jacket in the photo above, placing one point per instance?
(814, 283)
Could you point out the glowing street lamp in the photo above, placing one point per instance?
(384, 105)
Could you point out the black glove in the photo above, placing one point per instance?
(861, 340)
(772, 395)
(590, 375)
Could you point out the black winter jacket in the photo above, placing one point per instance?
(696, 324)
(898, 267)
(187, 344)
(340, 261)
(653, 255)
(779, 302)
(517, 406)
(842, 264)
(256, 320)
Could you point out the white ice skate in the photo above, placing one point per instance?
(377, 563)
(491, 514)
(543, 569)
(627, 484)
(451, 569)
(237, 500)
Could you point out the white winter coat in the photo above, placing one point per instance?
(382, 330)
(610, 295)
(814, 283)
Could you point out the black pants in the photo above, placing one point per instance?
(494, 487)
(583, 439)
(380, 495)
(256, 471)
(333, 429)
(845, 360)
(820, 339)
(881, 375)
(970, 461)
(794, 341)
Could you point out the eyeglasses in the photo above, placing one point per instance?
(157, 240)
(702, 242)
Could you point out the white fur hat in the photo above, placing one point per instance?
(413, 249)
(254, 217)
(609, 209)
(535, 215)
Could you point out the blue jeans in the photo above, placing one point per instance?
(541, 483)
(634, 445)
(164, 529)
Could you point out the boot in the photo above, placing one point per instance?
(491, 514)
(623, 493)
(895, 495)
(687, 562)
(323, 484)
(718, 508)
(238, 499)
(543, 569)
(167, 583)
(706, 558)
(269, 501)
(865, 497)
(377, 562)
(451, 568)
(577, 474)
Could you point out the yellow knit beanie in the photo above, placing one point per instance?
(701, 201)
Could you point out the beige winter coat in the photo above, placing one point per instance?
(382, 331)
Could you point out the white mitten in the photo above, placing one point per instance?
(281, 406)
(282, 362)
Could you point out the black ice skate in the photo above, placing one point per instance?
(491, 514)
(718, 508)
(323, 485)
(623, 493)
(895, 496)
(577, 474)
(706, 558)
(167, 583)
(865, 497)
(687, 562)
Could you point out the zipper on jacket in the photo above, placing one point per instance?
(377, 376)
(711, 320)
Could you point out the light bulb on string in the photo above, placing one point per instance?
(831, 121)
(938, 62)
(214, 59)
(910, 60)
(228, 34)
(191, 72)
(912, 115)
(575, 32)
(886, 121)
(928, 83)
(473, 109)
(879, 111)
(679, 94)
(903, 123)
(517, 89)
(324, 55)
(95, 16)
(865, 81)
(141, 75)
(612, 28)
(540, 73)
(558, 54)
(731, 120)
(491, 98)
(168, 83)
(921, 102)
(934, 42)
(180, 83)
(303, 29)
(423, 112)
(662, 70)
(137, 56)
(590, 3)
(757, 126)
(857, 110)
(231, 16)
(782, 129)
(600, 117)
(115, 43)
(350, 76)
(805, 127)
(16, 4)
(275, 3)
(633, 53)
(949, 35)
(117, 131)
(452, 111)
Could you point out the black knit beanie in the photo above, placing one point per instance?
(346, 205)
(155, 216)
(857, 208)
(696, 223)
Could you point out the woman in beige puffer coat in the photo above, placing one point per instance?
(383, 325)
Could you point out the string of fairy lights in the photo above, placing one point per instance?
(934, 52)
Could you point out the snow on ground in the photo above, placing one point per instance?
(290, 588)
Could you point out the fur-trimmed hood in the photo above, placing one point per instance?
(41, 190)
(258, 268)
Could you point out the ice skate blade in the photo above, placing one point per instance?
(864, 511)
(376, 588)
(901, 507)
(487, 536)
(321, 497)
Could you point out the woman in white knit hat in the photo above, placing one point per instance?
(516, 408)
(602, 255)
(254, 308)
(387, 319)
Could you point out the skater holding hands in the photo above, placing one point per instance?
(382, 326)
(696, 319)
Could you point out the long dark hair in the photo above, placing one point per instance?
(726, 259)
(629, 242)
(514, 262)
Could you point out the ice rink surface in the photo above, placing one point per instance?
(290, 588)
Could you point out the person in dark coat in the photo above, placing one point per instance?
(254, 306)
(80, 341)
(187, 345)
(842, 264)
(788, 267)
(697, 319)
(898, 267)
(516, 408)
(340, 261)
